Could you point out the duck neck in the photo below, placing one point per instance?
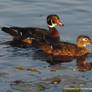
(81, 45)
(51, 29)
(53, 32)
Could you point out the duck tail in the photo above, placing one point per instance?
(10, 31)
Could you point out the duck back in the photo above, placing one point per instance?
(24, 32)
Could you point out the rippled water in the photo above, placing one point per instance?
(77, 17)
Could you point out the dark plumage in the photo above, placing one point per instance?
(27, 34)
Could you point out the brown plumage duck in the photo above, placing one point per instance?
(68, 49)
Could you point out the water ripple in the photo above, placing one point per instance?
(77, 17)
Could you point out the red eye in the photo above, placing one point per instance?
(54, 20)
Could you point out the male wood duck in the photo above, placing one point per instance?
(26, 34)
(68, 49)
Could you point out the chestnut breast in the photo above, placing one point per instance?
(53, 33)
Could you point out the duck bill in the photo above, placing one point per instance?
(91, 43)
(60, 23)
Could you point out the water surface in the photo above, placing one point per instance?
(77, 17)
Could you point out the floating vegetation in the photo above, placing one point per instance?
(33, 69)
(29, 69)
(56, 81)
(72, 90)
(19, 68)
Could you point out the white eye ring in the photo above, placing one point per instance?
(85, 39)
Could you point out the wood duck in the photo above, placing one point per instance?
(68, 49)
(27, 34)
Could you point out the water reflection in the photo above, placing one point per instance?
(38, 54)
(82, 64)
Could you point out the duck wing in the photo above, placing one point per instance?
(24, 32)
(65, 49)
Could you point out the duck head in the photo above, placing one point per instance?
(53, 20)
(83, 40)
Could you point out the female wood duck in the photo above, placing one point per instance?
(26, 34)
(68, 49)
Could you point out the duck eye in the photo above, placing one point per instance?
(85, 39)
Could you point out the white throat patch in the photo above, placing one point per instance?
(53, 25)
